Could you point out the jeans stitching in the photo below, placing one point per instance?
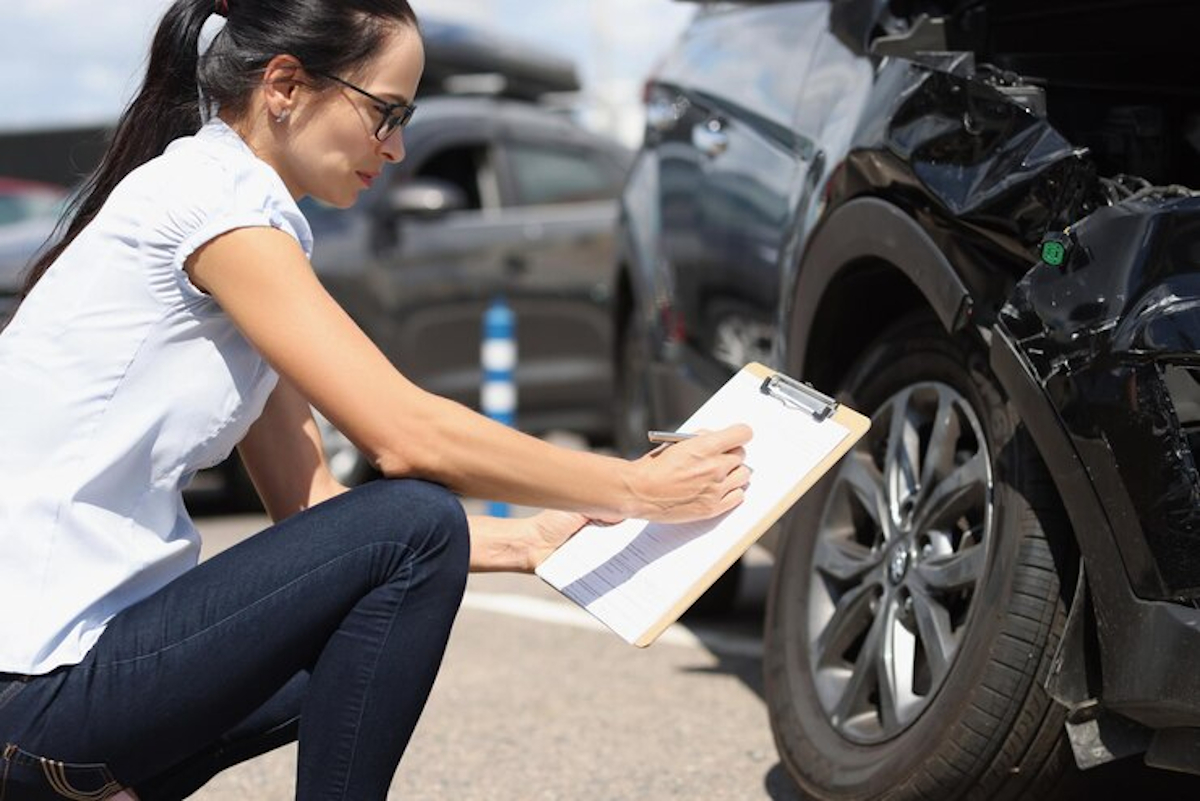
(55, 773)
(56, 776)
(407, 569)
(406, 548)
(4, 779)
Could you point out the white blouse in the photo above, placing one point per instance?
(119, 380)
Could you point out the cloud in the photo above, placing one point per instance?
(64, 63)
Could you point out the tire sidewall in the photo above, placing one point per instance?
(820, 758)
(633, 402)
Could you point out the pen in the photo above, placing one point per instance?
(668, 436)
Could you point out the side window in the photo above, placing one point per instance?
(465, 166)
(544, 175)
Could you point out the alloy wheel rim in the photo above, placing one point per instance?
(900, 552)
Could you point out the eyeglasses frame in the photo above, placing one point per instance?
(382, 106)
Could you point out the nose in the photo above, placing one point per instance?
(392, 148)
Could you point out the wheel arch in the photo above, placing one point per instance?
(850, 286)
(871, 264)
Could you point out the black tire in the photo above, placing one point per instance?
(633, 408)
(721, 597)
(982, 727)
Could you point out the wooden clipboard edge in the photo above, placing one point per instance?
(856, 426)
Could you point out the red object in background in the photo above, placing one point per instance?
(21, 200)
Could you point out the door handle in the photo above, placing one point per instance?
(710, 137)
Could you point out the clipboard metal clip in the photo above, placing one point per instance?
(802, 396)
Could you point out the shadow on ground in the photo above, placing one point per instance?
(1121, 780)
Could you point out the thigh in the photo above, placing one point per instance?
(274, 724)
(25, 776)
(175, 672)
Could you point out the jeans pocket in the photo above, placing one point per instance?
(27, 777)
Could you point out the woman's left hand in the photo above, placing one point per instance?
(550, 529)
(518, 545)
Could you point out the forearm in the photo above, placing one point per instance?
(448, 443)
(282, 454)
(497, 546)
(311, 341)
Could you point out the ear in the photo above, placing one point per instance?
(282, 78)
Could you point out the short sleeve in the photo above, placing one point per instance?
(212, 196)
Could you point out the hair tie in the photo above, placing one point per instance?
(223, 8)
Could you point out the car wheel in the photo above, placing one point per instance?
(633, 416)
(915, 603)
(347, 464)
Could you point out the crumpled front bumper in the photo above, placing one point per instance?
(1112, 334)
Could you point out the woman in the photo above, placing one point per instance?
(180, 316)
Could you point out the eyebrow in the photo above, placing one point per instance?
(396, 99)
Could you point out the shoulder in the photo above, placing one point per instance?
(207, 182)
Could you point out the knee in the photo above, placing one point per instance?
(431, 521)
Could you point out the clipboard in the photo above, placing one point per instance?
(638, 577)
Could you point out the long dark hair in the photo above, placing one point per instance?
(327, 36)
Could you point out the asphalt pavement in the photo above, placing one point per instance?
(537, 701)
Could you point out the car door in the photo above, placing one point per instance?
(731, 164)
(560, 192)
(431, 273)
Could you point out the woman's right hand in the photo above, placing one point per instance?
(696, 479)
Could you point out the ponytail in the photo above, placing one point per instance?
(167, 107)
(327, 37)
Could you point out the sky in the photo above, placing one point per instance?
(68, 62)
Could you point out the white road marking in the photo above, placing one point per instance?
(565, 614)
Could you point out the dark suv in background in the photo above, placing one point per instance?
(970, 220)
(495, 198)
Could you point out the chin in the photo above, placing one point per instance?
(339, 201)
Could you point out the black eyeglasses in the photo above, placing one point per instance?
(395, 115)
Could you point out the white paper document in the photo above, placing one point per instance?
(630, 575)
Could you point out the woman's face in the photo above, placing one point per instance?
(332, 153)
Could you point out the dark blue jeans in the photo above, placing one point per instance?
(328, 628)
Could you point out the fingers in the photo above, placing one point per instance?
(726, 439)
(731, 501)
(738, 477)
(698, 478)
(731, 473)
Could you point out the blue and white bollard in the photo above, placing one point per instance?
(498, 357)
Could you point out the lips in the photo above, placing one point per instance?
(367, 177)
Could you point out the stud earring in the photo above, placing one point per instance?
(283, 115)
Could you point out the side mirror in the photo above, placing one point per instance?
(426, 198)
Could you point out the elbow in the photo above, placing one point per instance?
(403, 462)
(408, 454)
(411, 445)
(391, 465)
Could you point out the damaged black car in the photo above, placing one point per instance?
(976, 221)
